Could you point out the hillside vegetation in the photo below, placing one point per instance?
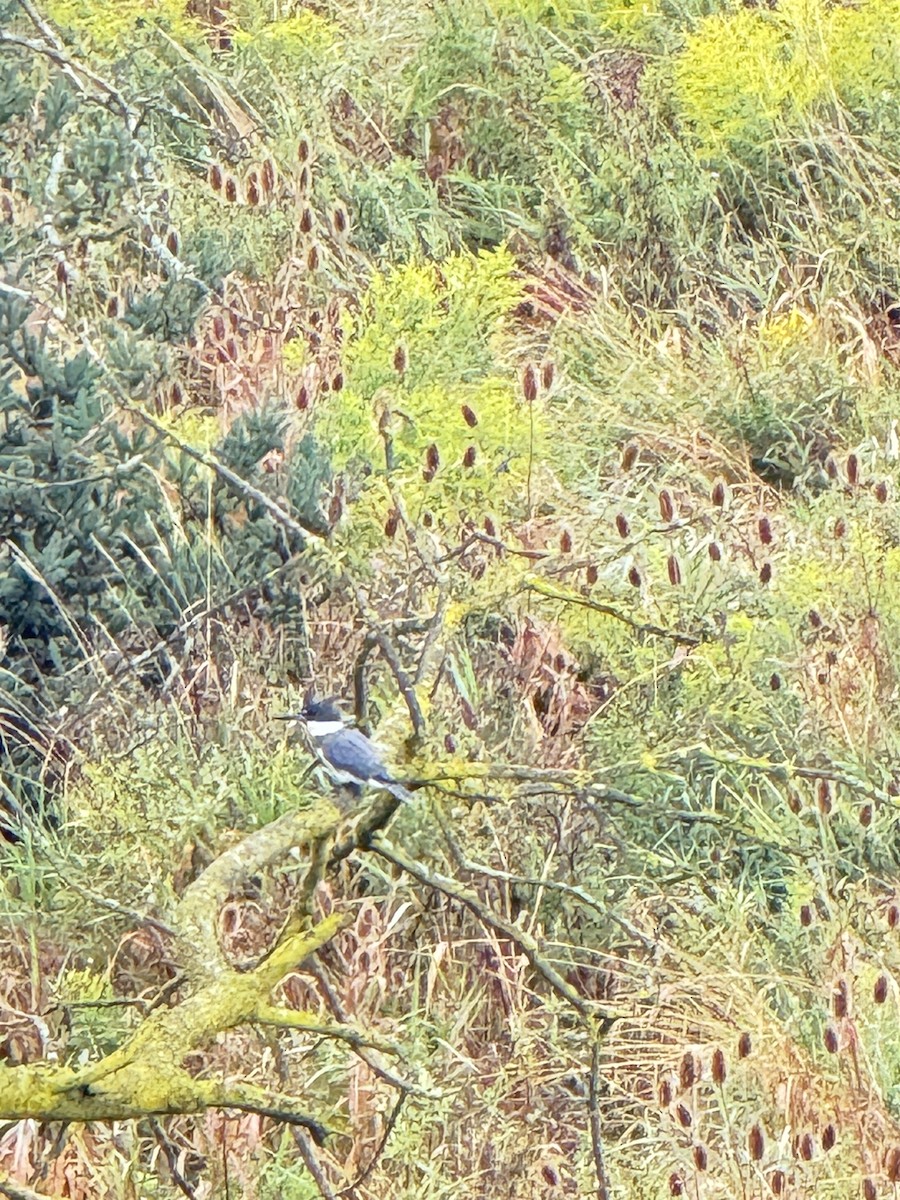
(526, 374)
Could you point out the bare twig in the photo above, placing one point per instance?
(542, 588)
(596, 1130)
(526, 943)
(171, 1156)
(308, 1154)
(350, 1189)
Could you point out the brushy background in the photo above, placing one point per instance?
(574, 326)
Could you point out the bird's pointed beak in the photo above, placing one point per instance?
(288, 717)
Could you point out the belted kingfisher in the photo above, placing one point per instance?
(351, 760)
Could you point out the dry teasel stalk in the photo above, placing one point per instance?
(666, 507)
(719, 1067)
(304, 180)
(622, 525)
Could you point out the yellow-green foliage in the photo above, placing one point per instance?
(629, 18)
(106, 26)
(742, 71)
(448, 319)
(291, 43)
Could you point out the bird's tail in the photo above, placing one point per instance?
(397, 790)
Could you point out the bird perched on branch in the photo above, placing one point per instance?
(350, 759)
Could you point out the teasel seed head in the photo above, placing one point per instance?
(765, 573)
(688, 1072)
(629, 456)
(892, 1164)
(814, 619)
(489, 527)
(840, 528)
(306, 219)
(622, 525)
(684, 1116)
(676, 1184)
(840, 999)
(765, 531)
(469, 457)
(881, 491)
(634, 577)
(700, 1157)
(592, 574)
(219, 327)
(745, 1045)
(777, 1182)
(565, 542)
(268, 176)
(231, 192)
(852, 470)
(340, 220)
(880, 990)
(807, 1147)
(469, 416)
(823, 796)
(666, 1093)
(172, 241)
(830, 1038)
(893, 916)
(312, 257)
(714, 550)
(392, 522)
(718, 493)
(775, 682)
(866, 813)
(529, 383)
(674, 568)
(719, 1067)
(870, 1191)
(829, 1137)
(215, 177)
(666, 507)
(548, 371)
(400, 358)
(756, 1143)
(303, 150)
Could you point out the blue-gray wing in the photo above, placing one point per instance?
(352, 752)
